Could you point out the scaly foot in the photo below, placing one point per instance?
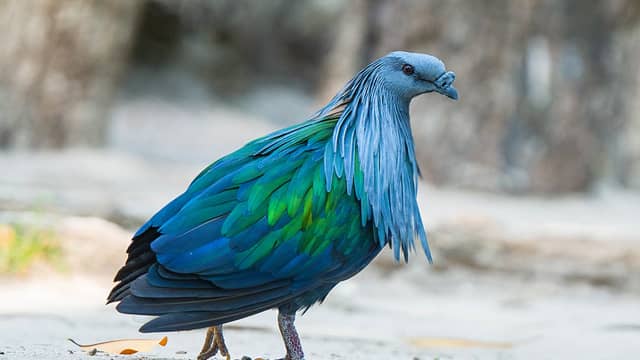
(290, 336)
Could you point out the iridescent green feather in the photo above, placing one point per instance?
(270, 199)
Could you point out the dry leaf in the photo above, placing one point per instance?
(458, 343)
(123, 347)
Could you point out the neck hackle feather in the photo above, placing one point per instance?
(373, 139)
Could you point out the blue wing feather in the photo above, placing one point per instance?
(253, 219)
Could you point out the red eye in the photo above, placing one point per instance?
(407, 69)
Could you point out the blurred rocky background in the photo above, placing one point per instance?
(550, 87)
(109, 107)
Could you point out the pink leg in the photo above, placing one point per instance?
(290, 336)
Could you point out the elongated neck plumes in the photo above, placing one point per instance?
(373, 139)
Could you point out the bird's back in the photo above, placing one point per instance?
(258, 229)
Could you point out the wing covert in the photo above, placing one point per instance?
(266, 219)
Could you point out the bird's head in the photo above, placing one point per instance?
(411, 74)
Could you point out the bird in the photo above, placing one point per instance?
(278, 223)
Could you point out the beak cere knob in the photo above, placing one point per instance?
(444, 85)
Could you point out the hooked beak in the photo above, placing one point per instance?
(444, 85)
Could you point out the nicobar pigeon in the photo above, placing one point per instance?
(279, 222)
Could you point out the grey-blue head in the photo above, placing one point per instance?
(411, 74)
(397, 78)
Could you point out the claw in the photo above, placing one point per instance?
(214, 342)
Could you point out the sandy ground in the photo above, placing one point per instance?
(412, 313)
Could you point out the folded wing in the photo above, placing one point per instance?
(255, 230)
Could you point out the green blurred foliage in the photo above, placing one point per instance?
(23, 246)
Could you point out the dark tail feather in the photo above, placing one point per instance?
(193, 320)
(138, 262)
(200, 289)
(142, 243)
(153, 285)
(226, 304)
(120, 290)
(200, 319)
(143, 261)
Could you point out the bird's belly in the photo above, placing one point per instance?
(329, 281)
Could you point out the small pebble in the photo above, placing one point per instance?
(92, 352)
(180, 352)
(246, 358)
